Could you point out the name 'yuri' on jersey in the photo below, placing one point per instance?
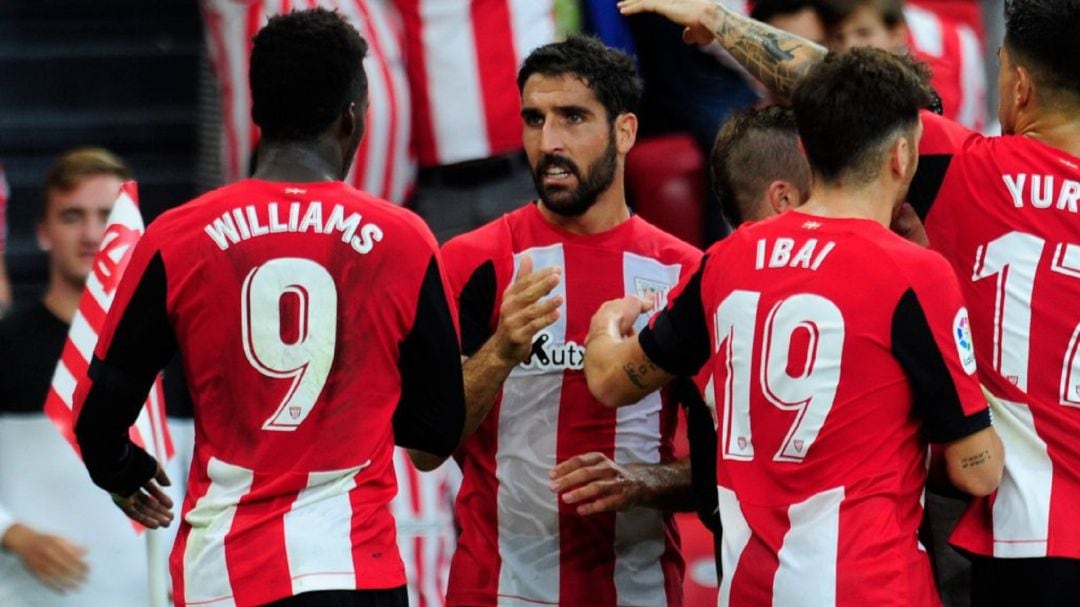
(251, 221)
(791, 253)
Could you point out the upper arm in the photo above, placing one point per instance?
(431, 412)
(677, 339)
(941, 140)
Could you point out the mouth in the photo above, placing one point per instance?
(556, 175)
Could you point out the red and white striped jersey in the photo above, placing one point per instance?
(385, 164)
(519, 545)
(827, 383)
(316, 330)
(462, 59)
(424, 511)
(954, 53)
(1004, 211)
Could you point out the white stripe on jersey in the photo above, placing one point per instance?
(639, 533)
(972, 79)
(733, 541)
(528, 511)
(377, 134)
(206, 574)
(926, 30)
(807, 572)
(532, 24)
(1022, 508)
(432, 527)
(451, 66)
(318, 533)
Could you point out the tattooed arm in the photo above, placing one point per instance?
(775, 57)
(616, 368)
(974, 463)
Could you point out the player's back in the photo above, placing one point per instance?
(1005, 215)
(294, 307)
(821, 464)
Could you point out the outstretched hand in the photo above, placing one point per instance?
(617, 316)
(687, 13)
(524, 312)
(597, 484)
(150, 506)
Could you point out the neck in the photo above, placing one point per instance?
(62, 298)
(1056, 129)
(609, 211)
(845, 201)
(319, 160)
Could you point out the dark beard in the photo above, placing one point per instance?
(574, 203)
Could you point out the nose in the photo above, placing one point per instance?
(550, 138)
(94, 230)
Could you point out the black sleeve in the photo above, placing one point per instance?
(475, 306)
(927, 182)
(701, 435)
(678, 340)
(936, 400)
(141, 345)
(431, 413)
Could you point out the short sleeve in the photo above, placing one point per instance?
(677, 340)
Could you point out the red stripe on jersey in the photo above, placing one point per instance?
(423, 120)
(252, 556)
(74, 361)
(497, 64)
(92, 312)
(587, 566)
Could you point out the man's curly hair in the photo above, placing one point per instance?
(306, 68)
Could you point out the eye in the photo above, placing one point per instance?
(533, 120)
(575, 118)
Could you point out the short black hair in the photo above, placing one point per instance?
(767, 9)
(306, 68)
(1041, 36)
(753, 148)
(833, 12)
(851, 103)
(608, 72)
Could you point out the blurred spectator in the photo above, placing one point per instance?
(64, 543)
(800, 17)
(385, 165)
(951, 50)
(462, 59)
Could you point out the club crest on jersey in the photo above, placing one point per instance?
(964, 346)
(656, 290)
(549, 356)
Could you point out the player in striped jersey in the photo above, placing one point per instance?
(316, 331)
(827, 383)
(1003, 211)
(526, 285)
(385, 164)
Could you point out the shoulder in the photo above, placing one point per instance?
(662, 245)
(917, 265)
(944, 136)
(489, 241)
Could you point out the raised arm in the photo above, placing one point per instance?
(775, 57)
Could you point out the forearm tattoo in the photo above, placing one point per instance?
(637, 373)
(975, 460)
(776, 58)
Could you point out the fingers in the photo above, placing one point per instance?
(578, 461)
(150, 508)
(579, 470)
(162, 478)
(59, 564)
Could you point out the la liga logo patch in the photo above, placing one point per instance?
(964, 346)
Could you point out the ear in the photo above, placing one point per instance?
(353, 118)
(899, 157)
(1024, 91)
(626, 125)
(782, 195)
